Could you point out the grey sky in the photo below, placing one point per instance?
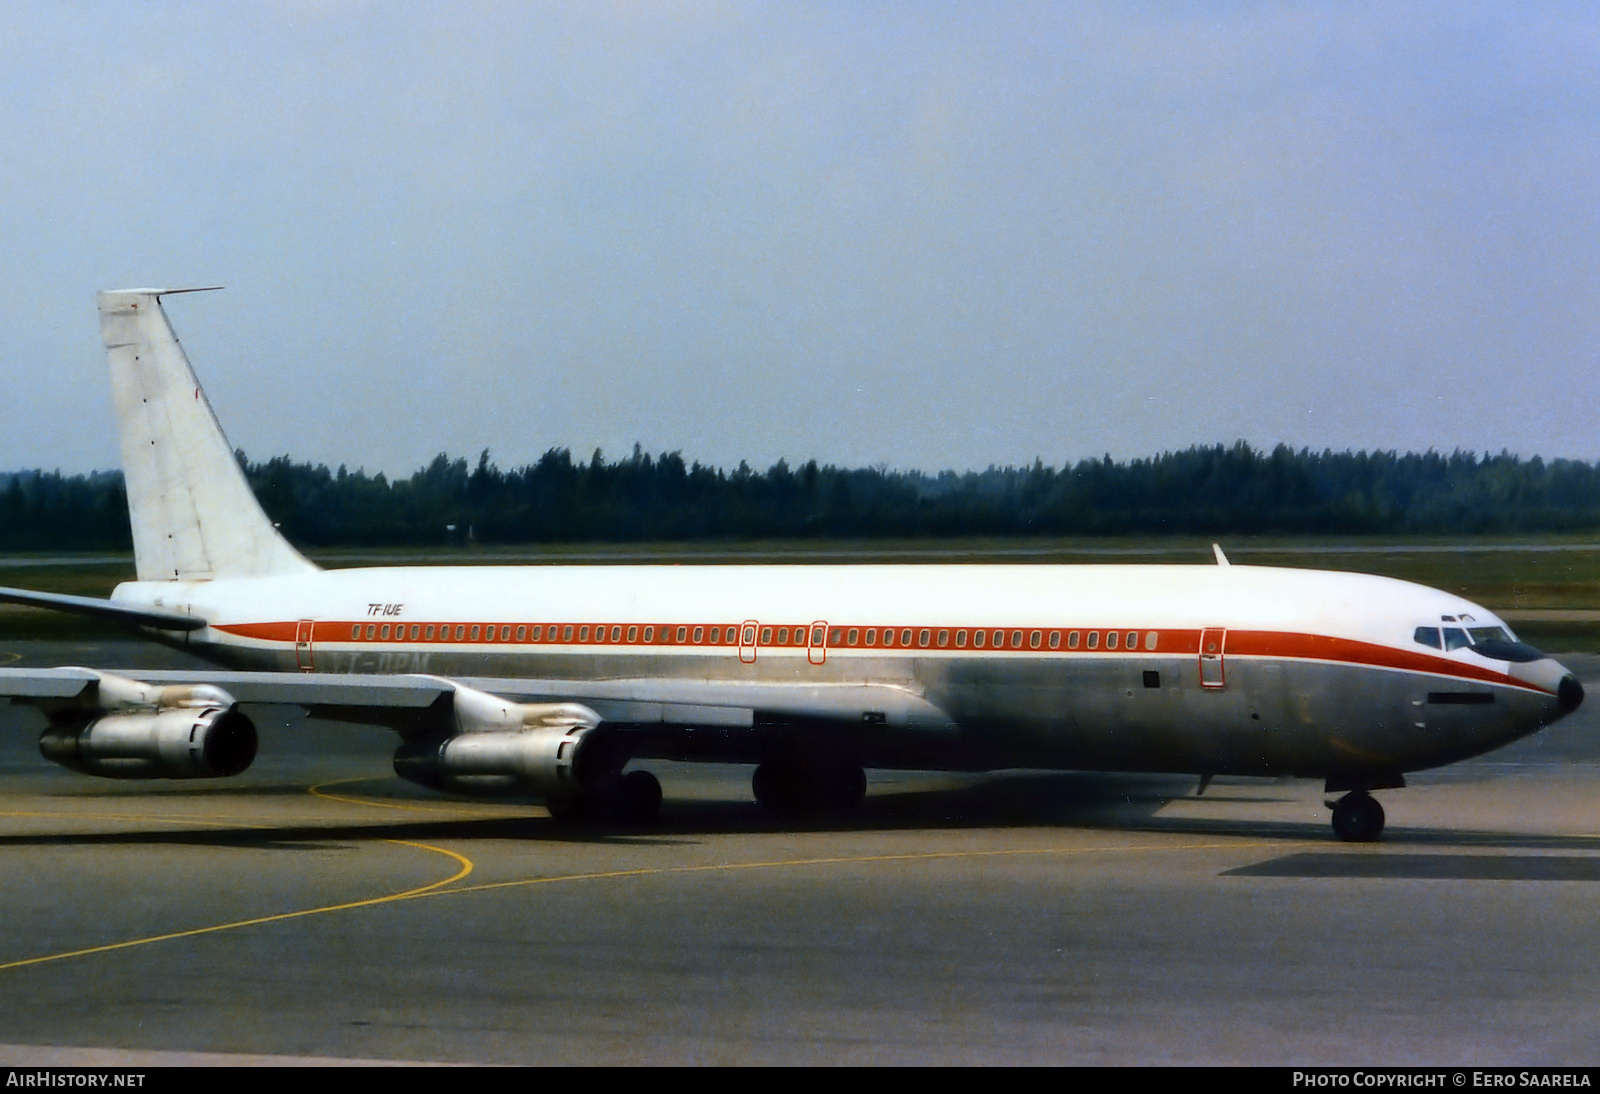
(914, 234)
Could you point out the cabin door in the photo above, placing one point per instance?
(817, 645)
(1213, 644)
(302, 644)
(747, 641)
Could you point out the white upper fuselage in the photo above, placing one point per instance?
(1088, 662)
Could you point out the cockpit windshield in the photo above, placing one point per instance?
(1497, 643)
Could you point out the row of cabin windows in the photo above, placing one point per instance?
(557, 632)
(998, 639)
(770, 636)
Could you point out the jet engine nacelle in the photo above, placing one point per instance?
(127, 729)
(550, 749)
(186, 743)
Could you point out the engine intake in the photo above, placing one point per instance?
(127, 729)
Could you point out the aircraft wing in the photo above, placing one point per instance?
(399, 700)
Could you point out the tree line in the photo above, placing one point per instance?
(1211, 490)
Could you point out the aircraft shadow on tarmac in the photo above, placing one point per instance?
(1083, 801)
(1427, 867)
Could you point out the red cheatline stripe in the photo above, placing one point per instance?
(1280, 645)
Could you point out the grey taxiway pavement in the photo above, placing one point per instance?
(316, 908)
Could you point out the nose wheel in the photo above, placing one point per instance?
(1357, 818)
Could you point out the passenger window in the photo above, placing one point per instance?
(961, 640)
(852, 637)
(1428, 636)
(522, 633)
(1094, 640)
(683, 632)
(944, 638)
(384, 633)
(922, 638)
(616, 634)
(1149, 640)
(999, 639)
(1072, 640)
(1133, 641)
(371, 629)
(566, 633)
(413, 632)
(872, 636)
(816, 636)
(1111, 640)
(633, 635)
(1055, 640)
(699, 635)
(428, 634)
(905, 637)
(583, 633)
(461, 629)
(355, 631)
(978, 638)
(1034, 639)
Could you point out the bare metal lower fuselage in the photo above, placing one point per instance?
(1129, 711)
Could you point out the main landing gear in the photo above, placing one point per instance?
(809, 784)
(1357, 817)
(633, 798)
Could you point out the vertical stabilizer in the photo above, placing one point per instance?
(192, 511)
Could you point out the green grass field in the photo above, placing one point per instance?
(1545, 577)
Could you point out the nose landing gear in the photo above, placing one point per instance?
(1357, 817)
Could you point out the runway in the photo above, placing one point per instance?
(318, 908)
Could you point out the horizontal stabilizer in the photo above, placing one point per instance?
(102, 609)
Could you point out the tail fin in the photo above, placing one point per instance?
(192, 511)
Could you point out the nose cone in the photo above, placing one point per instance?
(1563, 692)
(1569, 694)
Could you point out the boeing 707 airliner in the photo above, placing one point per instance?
(550, 680)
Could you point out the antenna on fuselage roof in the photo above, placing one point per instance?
(1222, 559)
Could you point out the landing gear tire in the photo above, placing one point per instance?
(638, 798)
(1357, 818)
(773, 785)
(792, 784)
(847, 786)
